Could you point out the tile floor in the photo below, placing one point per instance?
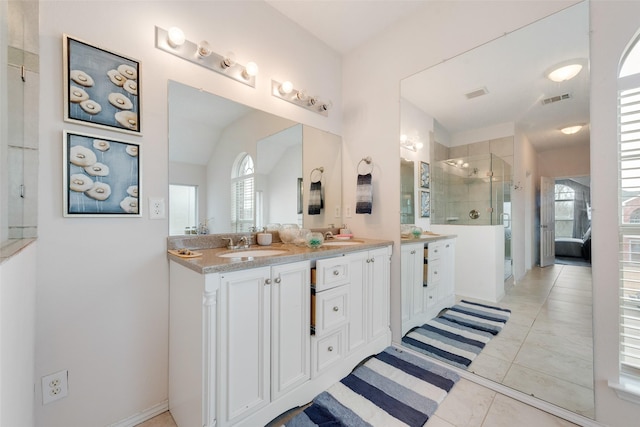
(551, 318)
(546, 348)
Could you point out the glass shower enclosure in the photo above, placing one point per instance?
(473, 190)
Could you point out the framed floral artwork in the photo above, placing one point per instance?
(425, 204)
(101, 88)
(424, 175)
(101, 176)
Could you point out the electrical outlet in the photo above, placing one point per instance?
(55, 386)
(348, 211)
(156, 208)
(337, 215)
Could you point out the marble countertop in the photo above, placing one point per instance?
(426, 237)
(211, 262)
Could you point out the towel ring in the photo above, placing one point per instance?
(319, 171)
(368, 161)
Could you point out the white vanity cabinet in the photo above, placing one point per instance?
(241, 350)
(427, 280)
(264, 336)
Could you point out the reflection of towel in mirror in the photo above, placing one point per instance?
(315, 198)
(364, 196)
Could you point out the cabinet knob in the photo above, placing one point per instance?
(413, 252)
(435, 272)
(435, 250)
(368, 260)
(277, 280)
(335, 308)
(373, 260)
(447, 246)
(330, 348)
(430, 297)
(336, 272)
(267, 282)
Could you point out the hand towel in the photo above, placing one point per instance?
(315, 198)
(364, 196)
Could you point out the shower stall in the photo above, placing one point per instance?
(474, 191)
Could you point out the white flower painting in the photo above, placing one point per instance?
(102, 177)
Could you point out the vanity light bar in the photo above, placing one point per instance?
(286, 92)
(201, 54)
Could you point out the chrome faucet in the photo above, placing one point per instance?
(230, 244)
(328, 235)
(244, 242)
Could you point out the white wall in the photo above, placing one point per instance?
(564, 162)
(103, 283)
(17, 337)
(613, 24)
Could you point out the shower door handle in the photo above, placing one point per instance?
(506, 220)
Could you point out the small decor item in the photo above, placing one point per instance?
(424, 175)
(425, 204)
(315, 240)
(101, 88)
(416, 232)
(101, 176)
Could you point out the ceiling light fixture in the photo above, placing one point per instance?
(174, 42)
(570, 130)
(564, 71)
(286, 91)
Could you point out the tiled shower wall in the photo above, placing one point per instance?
(452, 202)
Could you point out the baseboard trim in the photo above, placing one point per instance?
(143, 416)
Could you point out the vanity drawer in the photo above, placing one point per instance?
(331, 273)
(331, 309)
(328, 350)
(435, 250)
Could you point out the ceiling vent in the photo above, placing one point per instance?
(476, 93)
(556, 98)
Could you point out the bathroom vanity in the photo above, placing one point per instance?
(427, 269)
(254, 336)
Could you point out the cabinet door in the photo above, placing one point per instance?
(379, 278)
(290, 324)
(244, 343)
(446, 292)
(358, 288)
(411, 267)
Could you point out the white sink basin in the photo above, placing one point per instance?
(342, 242)
(253, 253)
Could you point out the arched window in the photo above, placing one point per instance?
(629, 208)
(242, 194)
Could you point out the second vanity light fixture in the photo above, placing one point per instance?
(300, 98)
(175, 42)
(410, 143)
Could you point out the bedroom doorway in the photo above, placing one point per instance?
(572, 209)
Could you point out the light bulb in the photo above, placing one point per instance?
(229, 60)
(204, 49)
(285, 87)
(250, 70)
(403, 138)
(326, 106)
(419, 145)
(301, 95)
(175, 37)
(313, 100)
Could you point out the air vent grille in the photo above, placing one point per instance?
(476, 93)
(556, 98)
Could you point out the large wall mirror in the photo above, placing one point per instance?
(236, 169)
(502, 85)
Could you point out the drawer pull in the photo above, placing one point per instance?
(278, 280)
(435, 250)
(336, 273)
(430, 296)
(267, 282)
(335, 308)
(330, 348)
(435, 272)
(413, 252)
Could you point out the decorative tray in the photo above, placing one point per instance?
(184, 253)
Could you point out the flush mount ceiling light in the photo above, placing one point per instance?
(174, 42)
(564, 71)
(286, 91)
(570, 130)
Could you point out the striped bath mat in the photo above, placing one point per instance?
(459, 334)
(392, 388)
